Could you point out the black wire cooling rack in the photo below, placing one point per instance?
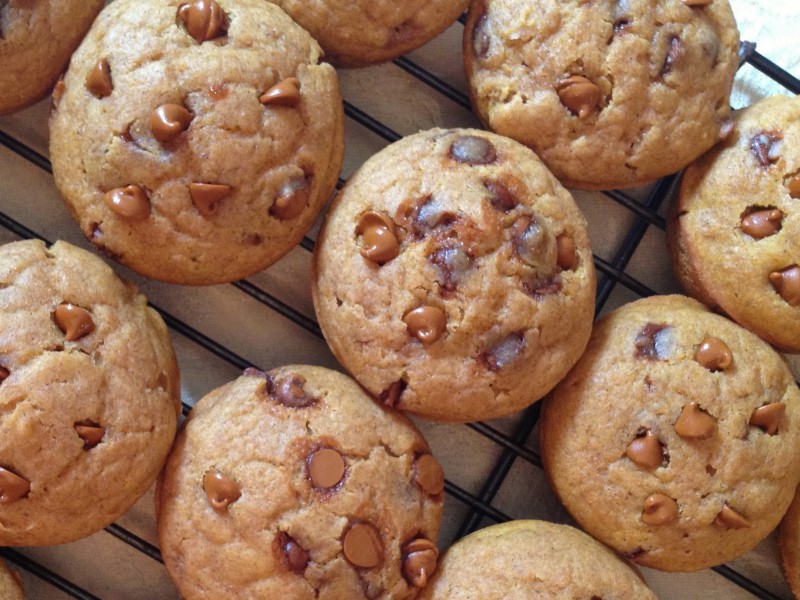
(468, 506)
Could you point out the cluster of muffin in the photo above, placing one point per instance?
(196, 142)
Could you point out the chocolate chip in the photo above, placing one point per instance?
(283, 93)
(207, 196)
(220, 490)
(204, 19)
(426, 323)
(539, 288)
(473, 150)
(289, 390)
(12, 486)
(325, 468)
(129, 202)
(429, 215)
(620, 15)
(481, 42)
(419, 561)
(714, 354)
(787, 284)
(90, 432)
(768, 417)
(362, 546)
(291, 199)
(391, 395)
(646, 450)
(75, 322)
(567, 252)
(694, 422)
(168, 121)
(378, 237)
(694, 3)
(4, 374)
(730, 519)
(651, 343)
(674, 54)
(501, 197)
(764, 146)
(428, 475)
(530, 240)
(762, 223)
(292, 554)
(98, 81)
(579, 95)
(793, 185)
(504, 353)
(659, 509)
(453, 265)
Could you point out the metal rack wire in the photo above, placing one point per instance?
(513, 446)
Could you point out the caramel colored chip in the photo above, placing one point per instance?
(762, 223)
(362, 546)
(579, 95)
(697, 2)
(567, 252)
(98, 81)
(730, 519)
(75, 322)
(768, 417)
(168, 121)
(289, 390)
(294, 555)
(291, 199)
(325, 468)
(379, 239)
(221, 490)
(426, 323)
(207, 196)
(58, 93)
(695, 423)
(793, 185)
(90, 432)
(429, 475)
(129, 202)
(473, 150)
(204, 19)
(646, 451)
(283, 93)
(419, 561)
(12, 487)
(659, 510)
(787, 283)
(714, 354)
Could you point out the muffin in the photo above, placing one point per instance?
(453, 277)
(295, 484)
(608, 93)
(675, 440)
(533, 560)
(733, 231)
(201, 149)
(89, 394)
(363, 32)
(36, 41)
